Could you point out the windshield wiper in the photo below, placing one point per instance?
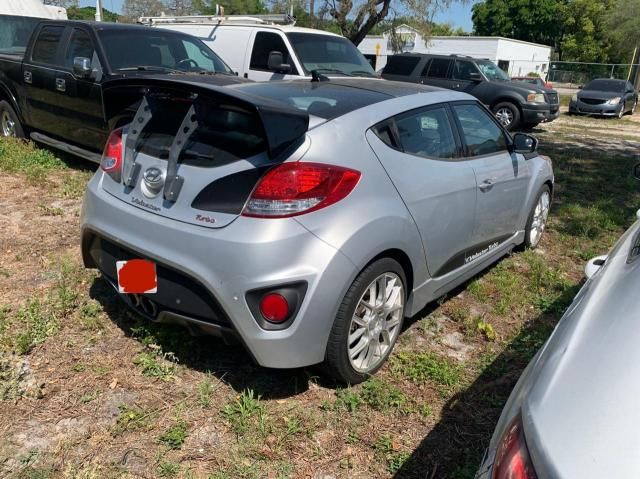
(331, 70)
(363, 72)
(149, 68)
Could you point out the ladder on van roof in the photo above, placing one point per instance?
(273, 18)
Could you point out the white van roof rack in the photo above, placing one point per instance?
(281, 19)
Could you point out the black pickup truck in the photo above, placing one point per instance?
(55, 77)
(515, 104)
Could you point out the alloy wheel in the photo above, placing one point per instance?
(540, 214)
(375, 324)
(7, 124)
(504, 116)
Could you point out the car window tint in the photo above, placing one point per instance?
(426, 133)
(462, 70)
(400, 65)
(438, 68)
(79, 46)
(265, 43)
(481, 134)
(15, 33)
(46, 45)
(383, 132)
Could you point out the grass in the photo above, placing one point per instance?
(426, 366)
(175, 436)
(428, 407)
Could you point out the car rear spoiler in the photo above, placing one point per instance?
(283, 125)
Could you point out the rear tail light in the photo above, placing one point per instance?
(512, 456)
(292, 189)
(111, 162)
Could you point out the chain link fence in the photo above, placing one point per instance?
(572, 74)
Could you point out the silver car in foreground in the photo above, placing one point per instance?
(574, 411)
(307, 219)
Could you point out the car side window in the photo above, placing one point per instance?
(264, 43)
(463, 69)
(426, 133)
(438, 68)
(481, 134)
(46, 47)
(79, 46)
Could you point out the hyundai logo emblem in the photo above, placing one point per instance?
(152, 181)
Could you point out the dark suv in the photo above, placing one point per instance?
(515, 104)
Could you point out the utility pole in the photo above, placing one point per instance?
(98, 10)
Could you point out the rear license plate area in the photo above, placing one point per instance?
(137, 276)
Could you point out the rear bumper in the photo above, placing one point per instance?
(227, 262)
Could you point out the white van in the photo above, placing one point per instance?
(270, 47)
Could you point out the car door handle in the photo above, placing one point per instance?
(486, 185)
(28, 77)
(61, 85)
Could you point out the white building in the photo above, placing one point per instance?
(515, 57)
(32, 8)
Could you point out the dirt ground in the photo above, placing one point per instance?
(89, 390)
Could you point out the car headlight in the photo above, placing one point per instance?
(574, 97)
(614, 101)
(536, 98)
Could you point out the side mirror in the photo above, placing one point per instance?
(636, 171)
(475, 76)
(594, 265)
(523, 143)
(275, 63)
(82, 67)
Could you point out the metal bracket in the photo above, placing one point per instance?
(140, 120)
(173, 183)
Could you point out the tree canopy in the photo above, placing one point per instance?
(578, 30)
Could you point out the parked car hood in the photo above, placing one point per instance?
(581, 413)
(521, 87)
(220, 79)
(598, 94)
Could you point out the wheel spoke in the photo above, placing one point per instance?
(358, 348)
(356, 334)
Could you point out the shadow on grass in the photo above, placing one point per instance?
(230, 363)
(453, 449)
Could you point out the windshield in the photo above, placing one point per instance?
(329, 54)
(491, 70)
(157, 50)
(605, 85)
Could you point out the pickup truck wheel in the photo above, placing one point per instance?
(9, 124)
(507, 114)
(368, 323)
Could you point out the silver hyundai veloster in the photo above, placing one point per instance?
(307, 219)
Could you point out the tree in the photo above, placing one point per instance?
(576, 29)
(134, 9)
(624, 30)
(89, 13)
(231, 7)
(180, 7)
(356, 20)
(62, 3)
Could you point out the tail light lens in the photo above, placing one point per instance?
(292, 189)
(512, 456)
(111, 162)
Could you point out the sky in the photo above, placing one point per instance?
(457, 14)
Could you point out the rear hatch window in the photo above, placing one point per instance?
(195, 158)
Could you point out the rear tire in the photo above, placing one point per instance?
(9, 123)
(507, 114)
(537, 220)
(368, 323)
